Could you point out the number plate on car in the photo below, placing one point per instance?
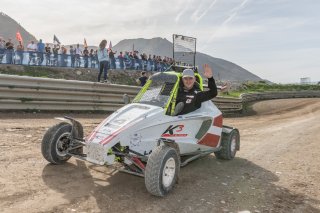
(96, 153)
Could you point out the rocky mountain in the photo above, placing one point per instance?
(9, 28)
(223, 69)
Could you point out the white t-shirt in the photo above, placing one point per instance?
(78, 51)
(32, 47)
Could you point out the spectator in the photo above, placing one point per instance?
(144, 58)
(127, 60)
(20, 49)
(96, 58)
(9, 51)
(72, 55)
(92, 58)
(63, 56)
(103, 60)
(78, 52)
(32, 48)
(136, 60)
(150, 63)
(48, 54)
(132, 62)
(143, 79)
(2, 49)
(85, 57)
(154, 59)
(121, 58)
(55, 51)
(112, 59)
(40, 49)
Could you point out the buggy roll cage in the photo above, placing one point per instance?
(169, 88)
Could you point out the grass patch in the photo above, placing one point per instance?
(252, 87)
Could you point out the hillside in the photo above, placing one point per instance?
(9, 28)
(223, 70)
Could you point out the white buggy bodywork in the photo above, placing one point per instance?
(139, 126)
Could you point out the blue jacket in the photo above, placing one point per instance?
(103, 55)
(40, 46)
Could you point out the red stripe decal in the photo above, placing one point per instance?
(113, 135)
(110, 137)
(95, 131)
(210, 140)
(218, 121)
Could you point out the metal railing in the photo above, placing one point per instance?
(31, 58)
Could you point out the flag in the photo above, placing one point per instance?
(19, 37)
(55, 40)
(85, 43)
(110, 45)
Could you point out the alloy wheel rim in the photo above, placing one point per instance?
(168, 172)
(61, 145)
(233, 145)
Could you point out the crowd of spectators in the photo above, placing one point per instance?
(76, 56)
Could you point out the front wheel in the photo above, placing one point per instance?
(162, 170)
(55, 143)
(230, 143)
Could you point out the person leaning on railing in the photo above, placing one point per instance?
(19, 53)
(112, 59)
(78, 52)
(64, 56)
(92, 58)
(2, 49)
(72, 55)
(55, 51)
(40, 49)
(85, 55)
(47, 50)
(121, 58)
(31, 48)
(9, 51)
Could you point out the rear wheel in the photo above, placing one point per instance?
(230, 143)
(55, 143)
(162, 170)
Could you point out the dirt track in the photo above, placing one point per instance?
(276, 170)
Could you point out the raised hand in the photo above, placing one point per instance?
(207, 71)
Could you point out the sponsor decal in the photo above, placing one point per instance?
(174, 131)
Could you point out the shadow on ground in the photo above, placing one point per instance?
(206, 185)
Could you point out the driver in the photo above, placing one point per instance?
(191, 95)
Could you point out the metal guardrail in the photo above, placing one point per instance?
(30, 93)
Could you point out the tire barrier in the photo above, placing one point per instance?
(30, 93)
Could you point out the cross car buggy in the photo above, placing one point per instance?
(146, 136)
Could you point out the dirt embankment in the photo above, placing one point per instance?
(276, 170)
(125, 77)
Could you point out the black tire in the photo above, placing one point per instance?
(228, 148)
(155, 169)
(54, 137)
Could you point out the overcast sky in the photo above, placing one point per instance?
(278, 40)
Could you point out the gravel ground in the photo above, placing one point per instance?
(276, 170)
